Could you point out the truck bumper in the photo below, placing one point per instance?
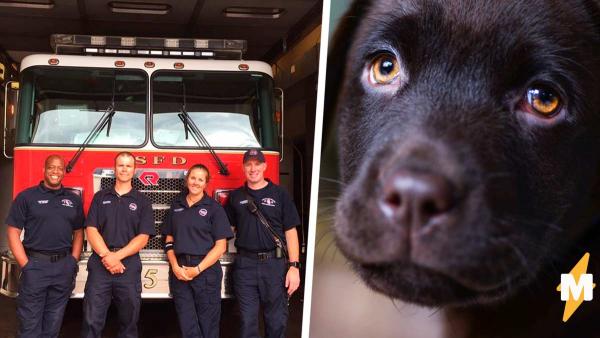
(155, 276)
(10, 276)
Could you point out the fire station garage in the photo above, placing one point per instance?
(159, 59)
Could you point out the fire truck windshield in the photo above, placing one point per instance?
(231, 109)
(61, 105)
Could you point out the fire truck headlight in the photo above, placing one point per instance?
(75, 190)
(222, 195)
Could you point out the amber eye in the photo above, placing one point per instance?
(384, 68)
(543, 100)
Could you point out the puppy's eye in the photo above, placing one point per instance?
(543, 100)
(384, 69)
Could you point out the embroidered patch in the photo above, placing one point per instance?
(132, 206)
(244, 202)
(268, 201)
(203, 212)
(105, 202)
(43, 202)
(178, 210)
(67, 203)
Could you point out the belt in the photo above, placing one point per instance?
(115, 248)
(261, 256)
(189, 257)
(49, 256)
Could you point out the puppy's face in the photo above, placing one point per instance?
(468, 134)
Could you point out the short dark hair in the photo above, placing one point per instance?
(198, 166)
(51, 157)
(125, 154)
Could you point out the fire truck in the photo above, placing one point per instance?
(171, 102)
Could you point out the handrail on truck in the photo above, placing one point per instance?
(6, 86)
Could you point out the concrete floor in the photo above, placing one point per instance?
(157, 319)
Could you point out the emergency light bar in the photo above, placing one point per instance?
(156, 47)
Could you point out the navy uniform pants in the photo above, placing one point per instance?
(101, 288)
(44, 290)
(261, 282)
(198, 302)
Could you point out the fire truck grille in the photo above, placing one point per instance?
(160, 214)
(160, 195)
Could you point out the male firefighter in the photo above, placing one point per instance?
(118, 226)
(52, 217)
(261, 274)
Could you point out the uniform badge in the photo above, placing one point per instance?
(202, 212)
(132, 206)
(43, 202)
(178, 210)
(105, 202)
(268, 201)
(67, 203)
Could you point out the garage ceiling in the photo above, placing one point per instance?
(26, 25)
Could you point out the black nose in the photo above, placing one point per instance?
(415, 198)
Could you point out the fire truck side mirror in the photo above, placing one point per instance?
(278, 94)
(11, 95)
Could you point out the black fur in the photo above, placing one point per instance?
(522, 185)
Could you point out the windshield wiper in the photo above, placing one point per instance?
(104, 121)
(112, 106)
(190, 125)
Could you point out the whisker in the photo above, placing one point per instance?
(333, 180)
(530, 222)
(435, 311)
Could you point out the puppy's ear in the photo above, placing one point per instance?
(336, 62)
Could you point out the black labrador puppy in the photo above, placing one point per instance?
(469, 134)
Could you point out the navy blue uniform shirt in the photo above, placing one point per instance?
(195, 229)
(48, 217)
(119, 218)
(274, 203)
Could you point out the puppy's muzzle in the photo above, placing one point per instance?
(415, 199)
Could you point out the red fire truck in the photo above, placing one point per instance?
(171, 102)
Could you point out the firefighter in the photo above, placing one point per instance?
(261, 275)
(118, 226)
(53, 221)
(197, 230)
